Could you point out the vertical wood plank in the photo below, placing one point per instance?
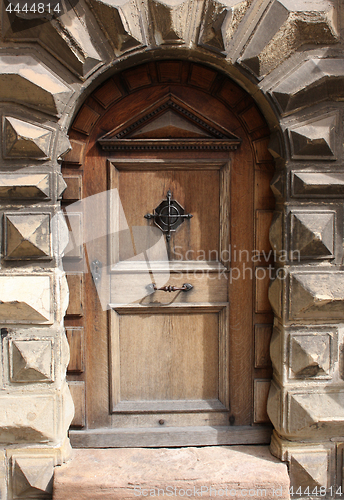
(76, 293)
(77, 390)
(75, 337)
(262, 345)
(261, 392)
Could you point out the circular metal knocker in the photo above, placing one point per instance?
(168, 215)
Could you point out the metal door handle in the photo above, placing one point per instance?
(96, 270)
(186, 287)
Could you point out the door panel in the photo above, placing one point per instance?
(169, 351)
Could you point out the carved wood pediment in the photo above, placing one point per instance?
(169, 124)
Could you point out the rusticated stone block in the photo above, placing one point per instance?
(310, 355)
(31, 361)
(220, 21)
(61, 186)
(311, 466)
(168, 21)
(26, 140)
(68, 40)
(316, 295)
(316, 184)
(303, 353)
(315, 414)
(303, 414)
(25, 80)
(29, 418)
(314, 140)
(312, 234)
(122, 23)
(285, 26)
(23, 186)
(315, 80)
(32, 477)
(25, 299)
(27, 236)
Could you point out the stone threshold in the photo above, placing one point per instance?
(229, 472)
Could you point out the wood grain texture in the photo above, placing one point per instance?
(76, 294)
(76, 154)
(187, 436)
(262, 337)
(75, 337)
(77, 390)
(261, 392)
(74, 188)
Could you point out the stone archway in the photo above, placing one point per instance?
(293, 67)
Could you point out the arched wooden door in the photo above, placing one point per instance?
(173, 367)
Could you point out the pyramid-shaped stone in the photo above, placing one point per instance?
(26, 140)
(316, 296)
(316, 140)
(309, 470)
(31, 361)
(312, 235)
(310, 355)
(32, 477)
(167, 20)
(301, 416)
(27, 236)
(19, 186)
(317, 183)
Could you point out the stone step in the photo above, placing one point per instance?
(229, 472)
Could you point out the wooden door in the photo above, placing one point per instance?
(170, 368)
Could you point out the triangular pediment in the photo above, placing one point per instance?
(169, 123)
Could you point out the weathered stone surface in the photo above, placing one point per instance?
(310, 465)
(314, 415)
(309, 470)
(316, 295)
(317, 184)
(23, 186)
(26, 140)
(25, 299)
(3, 475)
(315, 140)
(310, 355)
(312, 234)
(32, 477)
(118, 473)
(122, 23)
(27, 81)
(220, 21)
(66, 38)
(285, 26)
(315, 80)
(27, 236)
(277, 185)
(31, 361)
(27, 418)
(61, 186)
(168, 20)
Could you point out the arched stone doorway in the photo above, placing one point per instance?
(183, 127)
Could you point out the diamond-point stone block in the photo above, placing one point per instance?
(27, 236)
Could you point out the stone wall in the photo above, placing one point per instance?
(289, 56)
